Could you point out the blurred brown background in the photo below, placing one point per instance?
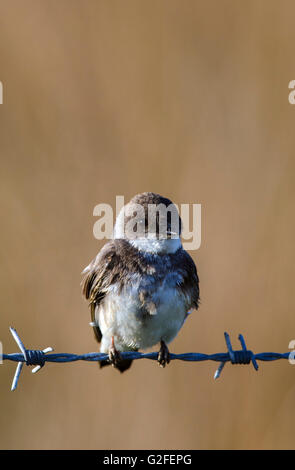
(188, 99)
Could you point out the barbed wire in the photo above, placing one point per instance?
(38, 358)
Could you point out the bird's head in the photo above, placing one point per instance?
(150, 223)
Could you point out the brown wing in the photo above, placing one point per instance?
(99, 275)
(190, 283)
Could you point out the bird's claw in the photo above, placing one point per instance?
(164, 355)
(114, 355)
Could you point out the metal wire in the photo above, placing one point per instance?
(38, 358)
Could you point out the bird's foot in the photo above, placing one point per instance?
(114, 355)
(164, 355)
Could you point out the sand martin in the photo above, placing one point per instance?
(142, 284)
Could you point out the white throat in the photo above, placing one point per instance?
(156, 246)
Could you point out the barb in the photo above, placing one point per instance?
(39, 357)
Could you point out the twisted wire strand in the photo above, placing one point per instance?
(38, 358)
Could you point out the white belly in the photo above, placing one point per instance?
(135, 325)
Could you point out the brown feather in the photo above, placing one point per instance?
(118, 260)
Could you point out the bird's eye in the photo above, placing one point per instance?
(139, 227)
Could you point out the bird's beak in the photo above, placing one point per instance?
(172, 234)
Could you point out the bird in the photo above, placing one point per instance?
(142, 284)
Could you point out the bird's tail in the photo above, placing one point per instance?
(123, 365)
